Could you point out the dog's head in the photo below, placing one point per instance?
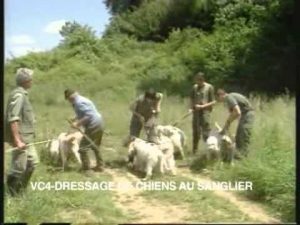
(212, 143)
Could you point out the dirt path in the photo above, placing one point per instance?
(145, 210)
(253, 210)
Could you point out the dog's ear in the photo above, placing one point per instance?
(132, 138)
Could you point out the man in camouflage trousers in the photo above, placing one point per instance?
(145, 110)
(239, 108)
(19, 132)
(202, 99)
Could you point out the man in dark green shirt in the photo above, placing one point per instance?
(145, 110)
(202, 99)
(240, 108)
(19, 132)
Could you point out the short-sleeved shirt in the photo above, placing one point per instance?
(85, 107)
(202, 95)
(145, 107)
(19, 109)
(233, 99)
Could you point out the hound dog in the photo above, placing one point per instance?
(64, 146)
(145, 157)
(176, 135)
(220, 147)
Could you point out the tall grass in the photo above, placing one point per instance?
(271, 161)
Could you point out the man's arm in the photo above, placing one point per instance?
(235, 114)
(158, 104)
(132, 108)
(211, 96)
(13, 116)
(80, 122)
(191, 108)
(83, 109)
(203, 106)
(14, 126)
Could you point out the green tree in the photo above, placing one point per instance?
(79, 40)
(119, 6)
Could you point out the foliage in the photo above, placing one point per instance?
(119, 6)
(79, 41)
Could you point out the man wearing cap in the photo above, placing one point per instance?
(19, 132)
(91, 120)
(240, 108)
(202, 99)
(145, 110)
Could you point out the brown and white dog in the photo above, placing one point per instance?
(65, 145)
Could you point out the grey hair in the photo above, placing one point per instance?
(23, 75)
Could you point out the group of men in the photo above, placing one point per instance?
(19, 123)
(202, 101)
(146, 108)
(20, 133)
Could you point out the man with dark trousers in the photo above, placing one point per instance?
(202, 99)
(88, 117)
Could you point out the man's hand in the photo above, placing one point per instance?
(20, 145)
(190, 110)
(156, 111)
(225, 128)
(75, 125)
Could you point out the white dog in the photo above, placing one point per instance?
(176, 135)
(65, 145)
(145, 157)
(219, 147)
(212, 147)
(166, 145)
(227, 147)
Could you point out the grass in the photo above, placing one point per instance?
(273, 144)
(68, 206)
(271, 162)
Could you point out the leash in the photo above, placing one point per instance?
(89, 140)
(182, 118)
(31, 144)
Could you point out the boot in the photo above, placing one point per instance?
(85, 160)
(27, 175)
(14, 185)
(99, 161)
(85, 164)
(195, 147)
